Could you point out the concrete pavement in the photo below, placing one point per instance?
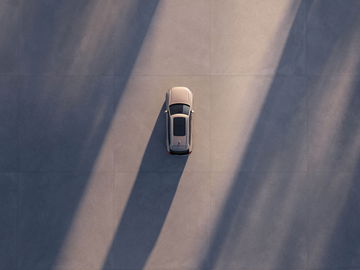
(273, 180)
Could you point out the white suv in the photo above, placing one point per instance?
(179, 103)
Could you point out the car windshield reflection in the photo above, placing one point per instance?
(179, 108)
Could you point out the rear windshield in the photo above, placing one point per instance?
(179, 126)
(179, 108)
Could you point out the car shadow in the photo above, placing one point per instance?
(148, 204)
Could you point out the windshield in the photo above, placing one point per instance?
(179, 108)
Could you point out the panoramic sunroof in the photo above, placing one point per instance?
(179, 126)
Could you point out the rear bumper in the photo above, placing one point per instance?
(186, 152)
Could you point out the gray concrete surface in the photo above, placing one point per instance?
(273, 180)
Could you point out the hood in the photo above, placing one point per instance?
(180, 95)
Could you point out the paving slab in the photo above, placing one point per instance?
(8, 220)
(249, 37)
(333, 109)
(261, 124)
(333, 199)
(262, 222)
(10, 35)
(153, 221)
(65, 220)
(69, 38)
(63, 122)
(177, 40)
(9, 135)
(333, 37)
